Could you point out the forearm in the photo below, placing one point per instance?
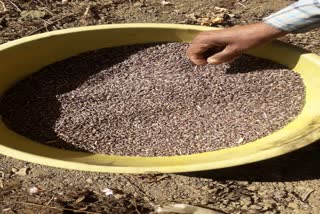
(301, 16)
(227, 44)
(260, 33)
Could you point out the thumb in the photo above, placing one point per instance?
(226, 55)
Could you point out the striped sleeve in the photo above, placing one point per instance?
(301, 16)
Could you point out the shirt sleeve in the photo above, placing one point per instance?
(301, 16)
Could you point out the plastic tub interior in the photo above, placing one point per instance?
(22, 57)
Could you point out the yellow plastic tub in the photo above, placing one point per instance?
(27, 55)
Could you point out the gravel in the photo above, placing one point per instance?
(150, 100)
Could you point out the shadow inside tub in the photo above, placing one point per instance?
(35, 116)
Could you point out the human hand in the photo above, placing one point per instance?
(220, 46)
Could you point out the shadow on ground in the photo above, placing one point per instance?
(302, 164)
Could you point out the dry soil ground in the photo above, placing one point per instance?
(287, 184)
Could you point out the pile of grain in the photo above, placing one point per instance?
(150, 100)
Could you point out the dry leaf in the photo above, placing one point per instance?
(33, 14)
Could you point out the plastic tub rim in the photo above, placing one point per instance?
(122, 164)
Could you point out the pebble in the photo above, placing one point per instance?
(89, 180)
(252, 188)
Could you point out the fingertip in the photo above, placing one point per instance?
(197, 59)
(213, 61)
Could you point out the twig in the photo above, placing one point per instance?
(47, 204)
(16, 6)
(55, 208)
(52, 189)
(1, 179)
(46, 9)
(138, 188)
(52, 23)
(40, 2)
(306, 196)
(3, 6)
(86, 11)
(47, 22)
(6, 209)
(135, 205)
(18, 196)
(50, 141)
(241, 5)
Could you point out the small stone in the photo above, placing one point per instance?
(107, 191)
(22, 172)
(204, 202)
(293, 205)
(135, 194)
(138, 4)
(245, 201)
(268, 204)
(118, 196)
(309, 47)
(280, 194)
(34, 190)
(89, 180)
(252, 188)
(255, 207)
(165, 3)
(242, 182)
(205, 188)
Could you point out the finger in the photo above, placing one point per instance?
(198, 53)
(195, 53)
(233, 59)
(198, 60)
(226, 55)
(228, 61)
